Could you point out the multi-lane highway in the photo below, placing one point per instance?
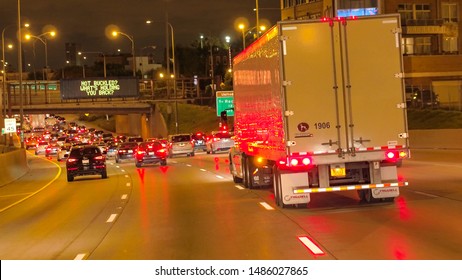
(191, 209)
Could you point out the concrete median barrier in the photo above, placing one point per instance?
(13, 165)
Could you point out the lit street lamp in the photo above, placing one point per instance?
(115, 33)
(42, 38)
(247, 32)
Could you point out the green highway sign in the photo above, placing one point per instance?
(225, 102)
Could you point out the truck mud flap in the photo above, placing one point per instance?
(284, 184)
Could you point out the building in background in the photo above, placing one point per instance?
(431, 42)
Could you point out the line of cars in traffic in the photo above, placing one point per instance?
(86, 150)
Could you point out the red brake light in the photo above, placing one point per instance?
(306, 161)
(140, 152)
(391, 155)
(71, 159)
(99, 158)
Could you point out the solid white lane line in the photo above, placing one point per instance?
(239, 187)
(80, 257)
(111, 218)
(124, 196)
(266, 205)
(220, 177)
(426, 194)
(310, 245)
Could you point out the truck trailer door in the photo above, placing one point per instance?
(343, 88)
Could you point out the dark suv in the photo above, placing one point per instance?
(85, 160)
(151, 152)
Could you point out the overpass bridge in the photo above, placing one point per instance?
(134, 108)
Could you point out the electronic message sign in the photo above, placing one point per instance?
(99, 88)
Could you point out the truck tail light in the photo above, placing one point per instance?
(393, 155)
(300, 161)
(296, 162)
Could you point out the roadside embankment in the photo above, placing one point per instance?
(450, 139)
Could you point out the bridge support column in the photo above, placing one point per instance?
(128, 124)
(145, 125)
(157, 125)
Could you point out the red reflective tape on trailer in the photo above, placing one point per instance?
(310, 245)
(350, 188)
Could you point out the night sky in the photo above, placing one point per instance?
(84, 22)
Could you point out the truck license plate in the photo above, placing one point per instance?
(338, 170)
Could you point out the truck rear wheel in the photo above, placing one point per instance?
(247, 172)
(366, 196)
(277, 187)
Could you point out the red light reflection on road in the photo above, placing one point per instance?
(141, 172)
(164, 169)
(399, 247)
(404, 212)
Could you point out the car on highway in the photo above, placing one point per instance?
(111, 149)
(85, 160)
(219, 141)
(107, 137)
(200, 141)
(63, 151)
(101, 145)
(31, 142)
(150, 153)
(126, 151)
(40, 147)
(51, 149)
(137, 139)
(180, 144)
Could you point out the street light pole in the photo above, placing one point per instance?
(258, 18)
(42, 39)
(242, 27)
(168, 26)
(114, 33)
(174, 78)
(3, 96)
(228, 41)
(21, 109)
